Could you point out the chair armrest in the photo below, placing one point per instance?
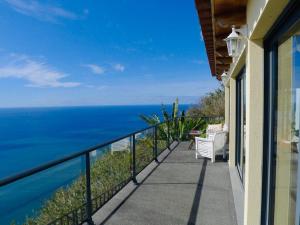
(203, 144)
(202, 139)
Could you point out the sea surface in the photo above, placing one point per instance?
(30, 137)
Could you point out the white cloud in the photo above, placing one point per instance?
(125, 49)
(99, 88)
(38, 74)
(163, 57)
(41, 11)
(89, 86)
(201, 36)
(103, 87)
(199, 62)
(119, 67)
(95, 68)
(110, 67)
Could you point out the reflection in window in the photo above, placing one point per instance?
(241, 124)
(287, 133)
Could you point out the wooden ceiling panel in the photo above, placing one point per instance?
(224, 60)
(226, 14)
(205, 17)
(222, 51)
(226, 5)
(216, 19)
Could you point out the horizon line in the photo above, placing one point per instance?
(81, 106)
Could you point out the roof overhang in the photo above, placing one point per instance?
(216, 19)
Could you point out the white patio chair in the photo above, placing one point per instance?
(213, 128)
(210, 146)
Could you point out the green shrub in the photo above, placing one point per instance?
(210, 105)
(107, 171)
(176, 124)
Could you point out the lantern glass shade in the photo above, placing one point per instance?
(224, 78)
(233, 43)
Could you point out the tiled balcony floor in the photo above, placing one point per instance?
(179, 190)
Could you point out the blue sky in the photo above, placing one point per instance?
(62, 53)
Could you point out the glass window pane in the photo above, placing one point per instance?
(287, 132)
(241, 123)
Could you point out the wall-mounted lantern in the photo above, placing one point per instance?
(224, 78)
(233, 42)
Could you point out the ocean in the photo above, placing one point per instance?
(30, 137)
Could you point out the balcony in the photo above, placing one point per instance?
(177, 190)
(147, 177)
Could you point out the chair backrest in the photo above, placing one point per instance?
(219, 140)
(212, 128)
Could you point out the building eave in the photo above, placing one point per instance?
(216, 19)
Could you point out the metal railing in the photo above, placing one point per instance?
(104, 171)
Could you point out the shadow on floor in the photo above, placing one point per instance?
(197, 197)
(178, 190)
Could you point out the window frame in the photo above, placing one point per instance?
(289, 17)
(239, 108)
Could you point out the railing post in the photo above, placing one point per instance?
(133, 159)
(177, 119)
(155, 143)
(168, 134)
(89, 207)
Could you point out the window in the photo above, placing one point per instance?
(286, 152)
(241, 123)
(281, 183)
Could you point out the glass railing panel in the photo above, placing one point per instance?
(110, 171)
(162, 138)
(53, 196)
(144, 145)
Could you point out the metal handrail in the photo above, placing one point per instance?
(46, 166)
(86, 153)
